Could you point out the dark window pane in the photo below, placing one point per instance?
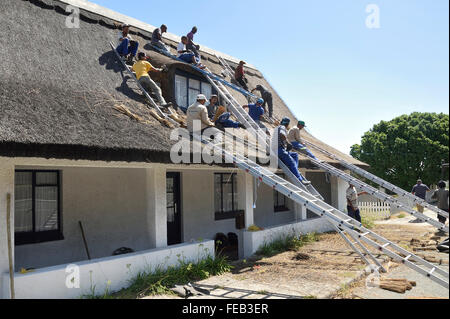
(46, 208)
(23, 202)
(217, 193)
(46, 178)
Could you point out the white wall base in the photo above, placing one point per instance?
(112, 273)
(254, 240)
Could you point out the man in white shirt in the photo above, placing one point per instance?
(294, 139)
(198, 112)
(352, 202)
(187, 55)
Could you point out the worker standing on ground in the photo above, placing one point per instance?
(239, 75)
(352, 202)
(198, 112)
(157, 38)
(442, 196)
(294, 139)
(282, 147)
(127, 47)
(420, 190)
(267, 96)
(141, 68)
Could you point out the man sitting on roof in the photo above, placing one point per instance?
(186, 55)
(224, 121)
(294, 139)
(198, 112)
(267, 96)
(212, 105)
(282, 147)
(127, 47)
(157, 39)
(220, 110)
(141, 68)
(239, 75)
(256, 111)
(191, 45)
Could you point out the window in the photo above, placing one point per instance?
(187, 87)
(225, 196)
(37, 207)
(279, 200)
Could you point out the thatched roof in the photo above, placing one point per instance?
(59, 87)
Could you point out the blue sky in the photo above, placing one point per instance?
(335, 73)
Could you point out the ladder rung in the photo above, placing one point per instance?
(431, 271)
(407, 257)
(364, 234)
(385, 245)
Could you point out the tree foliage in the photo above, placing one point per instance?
(406, 148)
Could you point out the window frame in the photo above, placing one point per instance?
(189, 76)
(222, 215)
(34, 237)
(280, 208)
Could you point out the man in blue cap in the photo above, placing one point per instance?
(256, 111)
(281, 145)
(294, 139)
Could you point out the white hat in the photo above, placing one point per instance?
(201, 97)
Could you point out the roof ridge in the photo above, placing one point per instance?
(111, 14)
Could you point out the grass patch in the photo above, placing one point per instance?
(367, 222)
(401, 215)
(160, 281)
(286, 243)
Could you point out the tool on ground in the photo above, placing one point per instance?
(84, 241)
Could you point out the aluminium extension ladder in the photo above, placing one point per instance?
(341, 221)
(242, 116)
(378, 194)
(403, 195)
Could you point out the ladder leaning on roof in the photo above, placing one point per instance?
(378, 194)
(343, 224)
(403, 195)
(243, 117)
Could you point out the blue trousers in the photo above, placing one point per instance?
(125, 47)
(299, 147)
(187, 57)
(290, 159)
(229, 123)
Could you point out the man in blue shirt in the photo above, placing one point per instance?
(256, 111)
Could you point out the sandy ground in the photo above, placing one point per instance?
(329, 269)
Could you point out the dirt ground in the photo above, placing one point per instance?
(324, 269)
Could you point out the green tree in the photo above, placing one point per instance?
(406, 148)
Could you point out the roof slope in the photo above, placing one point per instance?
(58, 87)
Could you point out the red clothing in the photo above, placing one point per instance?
(239, 72)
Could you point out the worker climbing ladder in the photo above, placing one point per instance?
(344, 225)
(403, 195)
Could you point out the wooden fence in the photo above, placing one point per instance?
(376, 210)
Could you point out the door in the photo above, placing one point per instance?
(173, 209)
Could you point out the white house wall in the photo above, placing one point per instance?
(111, 204)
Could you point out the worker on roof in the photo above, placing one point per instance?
(239, 75)
(157, 39)
(141, 68)
(186, 55)
(294, 139)
(224, 121)
(256, 111)
(267, 96)
(281, 146)
(127, 47)
(198, 112)
(212, 105)
(191, 45)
